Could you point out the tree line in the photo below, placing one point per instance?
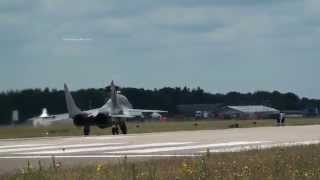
(29, 102)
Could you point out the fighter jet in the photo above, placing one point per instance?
(46, 120)
(113, 114)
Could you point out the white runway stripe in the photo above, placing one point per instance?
(108, 148)
(20, 145)
(100, 156)
(262, 146)
(56, 147)
(232, 149)
(98, 138)
(165, 149)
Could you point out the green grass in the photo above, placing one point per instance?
(25, 131)
(301, 162)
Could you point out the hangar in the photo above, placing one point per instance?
(248, 112)
(221, 111)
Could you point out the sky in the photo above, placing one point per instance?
(219, 45)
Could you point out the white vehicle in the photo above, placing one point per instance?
(113, 114)
(198, 114)
(156, 115)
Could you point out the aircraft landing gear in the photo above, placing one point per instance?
(123, 127)
(119, 124)
(115, 130)
(86, 130)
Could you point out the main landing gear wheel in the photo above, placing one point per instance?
(115, 130)
(86, 130)
(123, 127)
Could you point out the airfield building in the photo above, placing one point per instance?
(248, 112)
(220, 111)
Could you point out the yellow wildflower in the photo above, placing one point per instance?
(99, 167)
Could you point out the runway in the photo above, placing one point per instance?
(14, 153)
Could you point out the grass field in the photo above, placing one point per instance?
(24, 131)
(278, 163)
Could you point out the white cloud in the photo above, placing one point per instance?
(209, 43)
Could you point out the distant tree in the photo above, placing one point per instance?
(29, 102)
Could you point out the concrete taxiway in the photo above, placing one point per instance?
(14, 153)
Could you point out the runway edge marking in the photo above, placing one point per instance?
(105, 148)
(166, 149)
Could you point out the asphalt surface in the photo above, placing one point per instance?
(14, 153)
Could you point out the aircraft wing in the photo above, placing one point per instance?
(122, 116)
(61, 117)
(92, 112)
(145, 111)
